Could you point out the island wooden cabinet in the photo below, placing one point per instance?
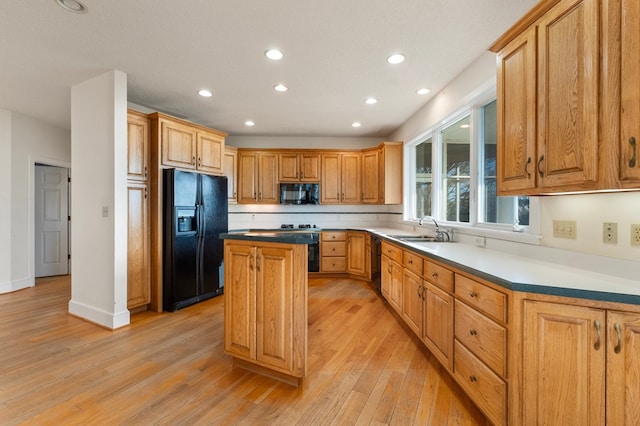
(341, 178)
(580, 364)
(548, 91)
(138, 226)
(230, 170)
(257, 177)
(299, 167)
(266, 306)
(188, 146)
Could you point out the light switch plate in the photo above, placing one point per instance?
(565, 229)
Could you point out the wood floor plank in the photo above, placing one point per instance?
(170, 368)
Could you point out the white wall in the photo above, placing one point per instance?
(588, 210)
(25, 142)
(99, 241)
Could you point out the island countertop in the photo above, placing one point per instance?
(274, 236)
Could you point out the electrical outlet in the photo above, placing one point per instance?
(480, 242)
(610, 233)
(565, 229)
(635, 234)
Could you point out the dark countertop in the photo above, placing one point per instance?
(274, 236)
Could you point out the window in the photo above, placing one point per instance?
(461, 155)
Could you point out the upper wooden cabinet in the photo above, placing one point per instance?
(137, 146)
(189, 146)
(548, 98)
(230, 170)
(341, 178)
(298, 167)
(257, 177)
(629, 142)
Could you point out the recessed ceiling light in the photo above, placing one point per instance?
(72, 6)
(356, 124)
(370, 101)
(396, 58)
(205, 93)
(274, 54)
(280, 88)
(249, 123)
(464, 126)
(423, 91)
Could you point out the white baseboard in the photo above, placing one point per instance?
(98, 316)
(9, 286)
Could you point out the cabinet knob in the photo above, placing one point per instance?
(410, 261)
(473, 294)
(473, 379)
(473, 332)
(434, 274)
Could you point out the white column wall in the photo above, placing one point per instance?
(5, 201)
(98, 161)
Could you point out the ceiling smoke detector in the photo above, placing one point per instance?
(72, 6)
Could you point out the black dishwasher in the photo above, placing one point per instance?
(375, 262)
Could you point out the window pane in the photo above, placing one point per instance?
(497, 209)
(456, 178)
(424, 179)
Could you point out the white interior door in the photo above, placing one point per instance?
(51, 221)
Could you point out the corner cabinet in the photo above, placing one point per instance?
(266, 307)
(257, 177)
(138, 228)
(382, 174)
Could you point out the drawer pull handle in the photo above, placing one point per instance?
(410, 262)
(619, 334)
(473, 294)
(420, 291)
(596, 345)
(632, 142)
(473, 378)
(540, 160)
(473, 332)
(434, 274)
(526, 167)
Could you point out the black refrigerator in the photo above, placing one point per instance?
(195, 214)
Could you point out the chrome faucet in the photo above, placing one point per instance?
(440, 234)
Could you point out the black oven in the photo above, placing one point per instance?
(313, 262)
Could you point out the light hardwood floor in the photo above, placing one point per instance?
(170, 368)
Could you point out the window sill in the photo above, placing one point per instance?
(467, 234)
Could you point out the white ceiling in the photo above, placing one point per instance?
(335, 57)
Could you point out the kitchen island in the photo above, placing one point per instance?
(265, 316)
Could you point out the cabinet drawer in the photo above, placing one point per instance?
(391, 251)
(490, 301)
(484, 387)
(482, 336)
(412, 261)
(438, 275)
(333, 248)
(333, 236)
(333, 264)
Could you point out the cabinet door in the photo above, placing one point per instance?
(240, 300)
(623, 368)
(356, 253)
(351, 178)
(437, 323)
(370, 177)
(390, 173)
(274, 315)
(412, 301)
(630, 91)
(138, 261)
(309, 167)
(330, 187)
(210, 151)
(137, 147)
(563, 364)
(268, 178)
(396, 288)
(568, 72)
(288, 170)
(178, 145)
(247, 177)
(230, 170)
(385, 277)
(516, 115)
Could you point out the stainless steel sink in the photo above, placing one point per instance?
(416, 238)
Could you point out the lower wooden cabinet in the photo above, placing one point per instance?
(333, 252)
(138, 241)
(437, 323)
(266, 305)
(358, 253)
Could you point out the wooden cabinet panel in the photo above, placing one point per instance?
(357, 256)
(484, 387)
(516, 115)
(210, 151)
(568, 63)
(341, 179)
(391, 251)
(137, 146)
(309, 167)
(391, 282)
(390, 174)
(296, 167)
(331, 181)
(288, 168)
(267, 178)
(335, 264)
(178, 145)
(230, 170)
(370, 177)
(563, 364)
(412, 301)
(412, 261)
(492, 302)
(333, 251)
(333, 236)
(623, 368)
(351, 177)
(437, 323)
(247, 173)
(138, 249)
(630, 92)
(257, 177)
(482, 336)
(240, 300)
(438, 275)
(333, 248)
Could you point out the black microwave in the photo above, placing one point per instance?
(299, 193)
